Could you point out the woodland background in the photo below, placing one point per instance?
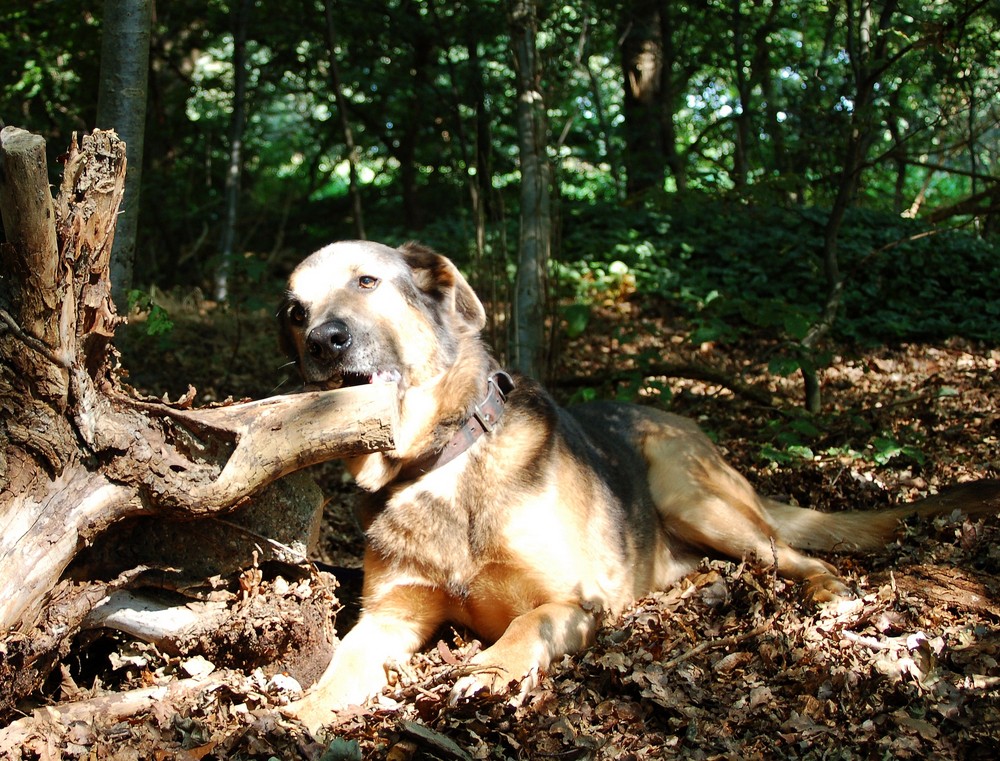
(794, 167)
(739, 209)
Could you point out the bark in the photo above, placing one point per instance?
(488, 274)
(982, 204)
(28, 213)
(121, 106)
(78, 454)
(536, 181)
(337, 89)
(742, 117)
(149, 471)
(412, 133)
(753, 73)
(642, 63)
(234, 171)
(678, 66)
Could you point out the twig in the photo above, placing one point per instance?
(690, 371)
(714, 644)
(28, 340)
(892, 643)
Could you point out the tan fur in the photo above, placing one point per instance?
(543, 525)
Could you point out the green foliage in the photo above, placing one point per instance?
(585, 394)
(738, 270)
(577, 318)
(157, 321)
(428, 91)
(791, 439)
(885, 448)
(798, 437)
(341, 750)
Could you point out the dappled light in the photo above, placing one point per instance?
(777, 219)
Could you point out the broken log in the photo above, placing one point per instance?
(29, 256)
(54, 720)
(151, 470)
(80, 453)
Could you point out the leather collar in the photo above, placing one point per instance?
(484, 416)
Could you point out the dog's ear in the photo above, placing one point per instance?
(438, 276)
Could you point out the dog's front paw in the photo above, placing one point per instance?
(465, 688)
(312, 712)
(493, 680)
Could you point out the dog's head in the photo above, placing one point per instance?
(358, 312)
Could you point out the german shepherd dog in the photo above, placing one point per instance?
(502, 512)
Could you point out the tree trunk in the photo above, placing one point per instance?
(77, 453)
(536, 181)
(234, 170)
(488, 275)
(868, 48)
(742, 117)
(412, 127)
(121, 106)
(676, 69)
(337, 89)
(642, 61)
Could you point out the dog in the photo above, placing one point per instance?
(500, 511)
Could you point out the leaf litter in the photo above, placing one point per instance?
(728, 664)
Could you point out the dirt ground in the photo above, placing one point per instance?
(729, 664)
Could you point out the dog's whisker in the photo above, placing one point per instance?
(283, 382)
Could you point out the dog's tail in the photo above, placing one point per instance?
(857, 530)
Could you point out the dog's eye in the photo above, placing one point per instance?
(297, 315)
(368, 282)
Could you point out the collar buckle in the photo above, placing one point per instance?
(489, 411)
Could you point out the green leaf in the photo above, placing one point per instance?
(801, 452)
(787, 456)
(158, 322)
(886, 448)
(577, 318)
(342, 750)
(805, 427)
(585, 394)
(784, 366)
(797, 326)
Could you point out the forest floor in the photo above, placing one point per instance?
(731, 663)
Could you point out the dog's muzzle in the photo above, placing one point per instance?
(328, 342)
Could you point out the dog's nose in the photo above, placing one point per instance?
(329, 340)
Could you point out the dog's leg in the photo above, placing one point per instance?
(704, 502)
(390, 630)
(528, 646)
(729, 531)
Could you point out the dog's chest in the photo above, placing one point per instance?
(431, 529)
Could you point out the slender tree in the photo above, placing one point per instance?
(868, 43)
(121, 106)
(642, 61)
(536, 182)
(234, 170)
(337, 90)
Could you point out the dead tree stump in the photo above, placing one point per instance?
(80, 454)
